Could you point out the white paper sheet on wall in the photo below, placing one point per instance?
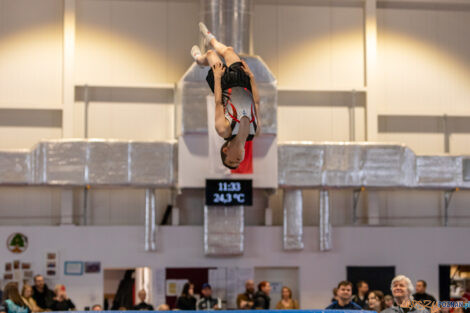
(159, 286)
(174, 287)
(232, 288)
(218, 281)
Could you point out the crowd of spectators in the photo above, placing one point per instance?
(403, 298)
(40, 298)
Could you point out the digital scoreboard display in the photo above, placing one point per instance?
(229, 192)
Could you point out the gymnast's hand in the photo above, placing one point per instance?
(246, 69)
(218, 69)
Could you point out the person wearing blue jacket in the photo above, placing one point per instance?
(343, 298)
(13, 303)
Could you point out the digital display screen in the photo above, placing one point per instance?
(229, 192)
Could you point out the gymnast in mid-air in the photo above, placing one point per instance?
(236, 97)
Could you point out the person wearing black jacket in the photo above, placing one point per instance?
(362, 294)
(421, 294)
(124, 292)
(186, 301)
(262, 299)
(143, 306)
(61, 302)
(42, 294)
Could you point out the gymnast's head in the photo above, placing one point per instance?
(232, 155)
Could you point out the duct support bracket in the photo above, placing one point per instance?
(447, 198)
(356, 197)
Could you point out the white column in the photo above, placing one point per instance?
(68, 83)
(370, 71)
(373, 208)
(66, 207)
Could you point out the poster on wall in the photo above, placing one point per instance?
(8, 276)
(25, 266)
(28, 275)
(51, 264)
(174, 287)
(276, 287)
(92, 267)
(74, 268)
(17, 243)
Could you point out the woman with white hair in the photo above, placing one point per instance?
(402, 290)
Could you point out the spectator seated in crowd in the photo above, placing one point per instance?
(207, 303)
(361, 297)
(421, 294)
(262, 299)
(344, 295)
(402, 289)
(61, 302)
(12, 301)
(376, 301)
(143, 306)
(27, 296)
(42, 294)
(163, 307)
(187, 301)
(246, 300)
(388, 301)
(97, 307)
(335, 294)
(286, 302)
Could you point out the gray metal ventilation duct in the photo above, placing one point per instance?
(293, 221)
(230, 21)
(96, 162)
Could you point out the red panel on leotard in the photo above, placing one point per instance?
(246, 166)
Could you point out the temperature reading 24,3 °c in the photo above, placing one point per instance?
(229, 198)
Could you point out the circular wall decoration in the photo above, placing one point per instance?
(17, 243)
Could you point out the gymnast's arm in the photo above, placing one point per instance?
(254, 92)
(221, 124)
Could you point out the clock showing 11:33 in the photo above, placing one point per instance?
(228, 192)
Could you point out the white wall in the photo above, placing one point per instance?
(312, 47)
(424, 69)
(423, 65)
(415, 252)
(29, 206)
(30, 69)
(133, 44)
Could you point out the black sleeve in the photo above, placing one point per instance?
(49, 299)
(70, 304)
(259, 303)
(53, 305)
(178, 304)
